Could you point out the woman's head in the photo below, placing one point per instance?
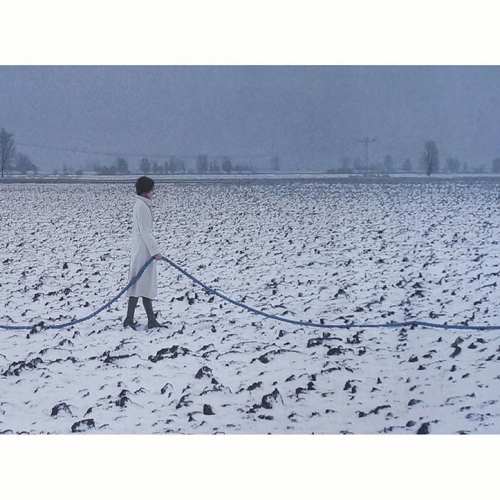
(144, 185)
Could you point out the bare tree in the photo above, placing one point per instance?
(145, 166)
(388, 164)
(452, 165)
(227, 166)
(214, 167)
(24, 164)
(202, 164)
(121, 166)
(430, 158)
(407, 167)
(7, 149)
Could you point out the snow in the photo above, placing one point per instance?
(363, 253)
(366, 251)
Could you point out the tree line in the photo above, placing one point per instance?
(175, 165)
(19, 162)
(429, 163)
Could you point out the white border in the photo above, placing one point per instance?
(269, 32)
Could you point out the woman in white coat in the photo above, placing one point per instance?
(143, 248)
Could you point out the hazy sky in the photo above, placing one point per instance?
(310, 116)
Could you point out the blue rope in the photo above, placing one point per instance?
(323, 325)
(86, 318)
(211, 291)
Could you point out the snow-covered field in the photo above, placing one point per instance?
(318, 251)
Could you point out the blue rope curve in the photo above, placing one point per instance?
(211, 291)
(323, 325)
(86, 318)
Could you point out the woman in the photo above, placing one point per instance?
(144, 246)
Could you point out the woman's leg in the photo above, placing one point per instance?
(129, 320)
(152, 322)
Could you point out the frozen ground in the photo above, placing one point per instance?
(361, 252)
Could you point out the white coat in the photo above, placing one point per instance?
(143, 247)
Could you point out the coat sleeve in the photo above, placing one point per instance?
(145, 223)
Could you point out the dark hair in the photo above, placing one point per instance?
(144, 185)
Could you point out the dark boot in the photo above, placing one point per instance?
(129, 320)
(152, 322)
